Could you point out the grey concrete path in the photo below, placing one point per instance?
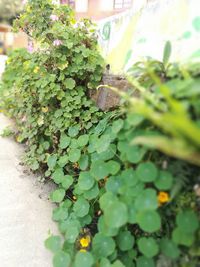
(25, 212)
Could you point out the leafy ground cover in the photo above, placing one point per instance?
(124, 178)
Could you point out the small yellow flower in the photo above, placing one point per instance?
(45, 109)
(36, 69)
(83, 250)
(163, 197)
(28, 9)
(40, 121)
(85, 241)
(18, 139)
(8, 61)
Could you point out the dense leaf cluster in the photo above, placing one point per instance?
(51, 85)
(119, 201)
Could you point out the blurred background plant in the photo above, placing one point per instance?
(9, 9)
(169, 97)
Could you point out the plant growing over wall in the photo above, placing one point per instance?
(51, 84)
(119, 202)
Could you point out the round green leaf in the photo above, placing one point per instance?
(106, 200)
(118, 263)
(85, 181)
(164, 181)
(86, 220)
(135, 154)
(46, 145)
(102, 143)
(58, 195)
(127, 261)
(182, 238)
(147, 172)
(73, 131)
(60, 214)
(123, 146)
(116, 214)
(67, 182)
(148, 247)
(99, 170)
(132, 254)
(61, 259)
(169, 248)
(103, 246)
(53, 243)
(64, 141)
(83, 259)
(117, 125)
(104, 263)
(106, 155)
(71, 233)
(74, 144)
(125, 240)
(149, 221)
(74, 155)
(129, 176)
(114, 184)
(83, 140)
(105, 229)
(58, 175)
(187, 221)
(113, 256)
(134, 119)
(145, 262)
(63, 160)
(51, 162)
(92, 193)
(71, 228)
(83, 162)
(113, 167)
(147, 200)
(81, 207)
(70, 83)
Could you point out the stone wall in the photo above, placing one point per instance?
(105, 98)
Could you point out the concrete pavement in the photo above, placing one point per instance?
(25, 211)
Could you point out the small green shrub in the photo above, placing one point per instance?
(48, 89)
(120, 202)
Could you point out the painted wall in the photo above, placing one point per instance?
(143, 31)
(94, 9)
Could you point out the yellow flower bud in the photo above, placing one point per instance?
(163, 197)
(85, 241)
(8, 61)
(45, 109)
(36, 69)
(83, 250)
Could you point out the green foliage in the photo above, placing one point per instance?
(52, 105)
(9, 9)
(171, 103)
(148, 247)
(84, 259)
(53, 243)
(7, 132)
(118, 201)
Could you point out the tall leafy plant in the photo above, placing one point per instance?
(47, 87)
